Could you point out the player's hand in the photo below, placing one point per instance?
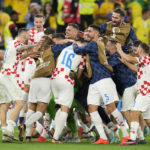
(122, 60)
(118, 46)
(35, 54)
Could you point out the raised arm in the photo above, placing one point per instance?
(124, 55)
(89, 48)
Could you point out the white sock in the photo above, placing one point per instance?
(59, 124)
(39, 127)
(46, 123)
(107, 130)
(84, 126)
(4, 128)
(96, 119)
(33, 118)
(133, 130)
(10, 126)
(119, 118)
(140, 133)
(29, 113)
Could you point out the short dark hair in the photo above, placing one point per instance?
(39, 16)
(74, 25)
(145, 47)
(95, 27)
(136, 43)
(80, 39)
(49, 31)
(59, 35)
(119, 11)
(21, 30)
(145, 10)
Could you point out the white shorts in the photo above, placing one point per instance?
(40, 90)
(102, 92)
(63, 91)
(11, 87)
(142, 103)
(129, 97)
(29, 71)
(3, 96)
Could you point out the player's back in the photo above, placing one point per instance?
(68, 60)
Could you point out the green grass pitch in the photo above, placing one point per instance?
(84, 145)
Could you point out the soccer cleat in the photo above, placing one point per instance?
(6, 139)
(41, 139)
(142, 141)
(73, 140)
(56, 141)
(101, 141)
(129, 142)
(125, 139)
(28, 139)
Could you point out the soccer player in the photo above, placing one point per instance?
(102, 88)
(124, 79)
(9, 81)
(67, 63)
(118, 30)
(142, 103)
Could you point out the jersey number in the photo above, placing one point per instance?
(67, 59)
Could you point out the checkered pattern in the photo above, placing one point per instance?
(9, 71)
(99, 71)
(143, 75)
(32, 32)
(82, 63)
(57, 71)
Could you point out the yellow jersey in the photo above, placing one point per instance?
(142, 29)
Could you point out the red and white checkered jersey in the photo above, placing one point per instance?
(11, 58)
(68, 61)
(35, 36)
(143, 75)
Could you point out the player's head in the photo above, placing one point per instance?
(71, 31)
(135, 47)
(39, 22)
(58, 37)
(143, 49)
(111, 46)
(85, 35)
(81, 40)
(93, 32)
(117, 17)
(45, 42)
(23, 34)
(50, 32)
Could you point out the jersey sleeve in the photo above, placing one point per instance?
(143, 60)
(82, 63)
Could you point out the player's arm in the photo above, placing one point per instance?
(1, 55)
(56, 48)
(89, 48)
(129, 65)
(24, 48)
(128, 58)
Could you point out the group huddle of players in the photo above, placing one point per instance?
(76, 79)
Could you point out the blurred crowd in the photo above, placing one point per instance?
(15, 14)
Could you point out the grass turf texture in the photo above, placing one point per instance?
(84, 145)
